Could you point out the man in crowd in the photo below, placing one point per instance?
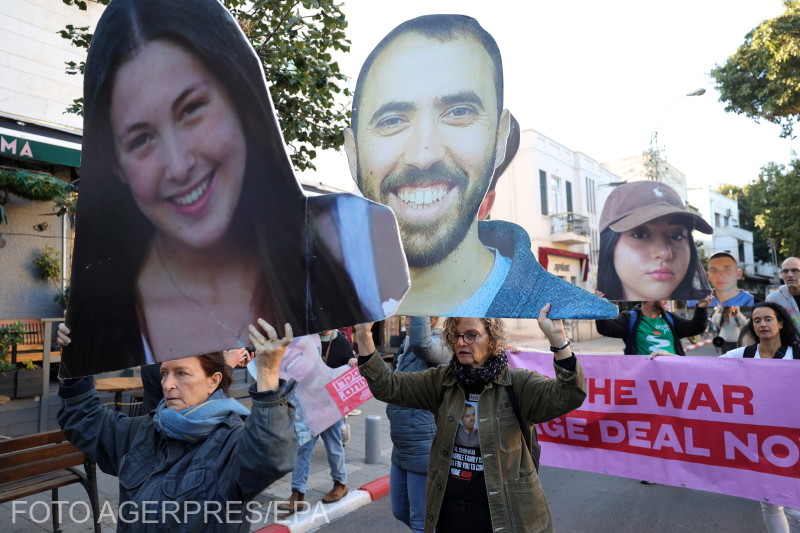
(428, 132)
(788, 294)
(723, 273)
(650, 328)
(336, 352)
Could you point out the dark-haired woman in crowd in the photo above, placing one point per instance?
(776, 338)
(775, 334)
(199, 447)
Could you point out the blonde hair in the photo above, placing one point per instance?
(495, 328)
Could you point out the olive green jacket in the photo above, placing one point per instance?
(516, 498)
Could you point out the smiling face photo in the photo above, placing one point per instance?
(191, 223)
(428, 133)
(427, 150)
(179, 144)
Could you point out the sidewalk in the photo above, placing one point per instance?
(319, 483)
(532, 340)
(319, 480)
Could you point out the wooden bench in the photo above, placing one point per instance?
(32, 347)
(45, 461)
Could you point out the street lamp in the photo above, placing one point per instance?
(654, 152)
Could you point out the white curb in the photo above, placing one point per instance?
(697, 345)
(318, 516)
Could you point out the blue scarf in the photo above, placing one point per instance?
(197, 422)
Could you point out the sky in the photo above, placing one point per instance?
(600, 77)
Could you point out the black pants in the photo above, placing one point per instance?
(728, 346)
(464, 517)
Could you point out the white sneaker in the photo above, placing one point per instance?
(354, 412)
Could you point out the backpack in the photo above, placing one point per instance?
(750, 351)
(634, 315)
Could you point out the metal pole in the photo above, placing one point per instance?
(372, 441)
(44, 400)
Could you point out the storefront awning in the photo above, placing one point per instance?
(544, 254)
(39, 146)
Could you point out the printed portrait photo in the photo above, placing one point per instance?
(647, 252)
(191, 223)
(467, 434)
(429, 137)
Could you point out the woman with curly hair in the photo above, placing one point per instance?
(775, 334)
(490, 485)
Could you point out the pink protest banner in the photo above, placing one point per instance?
(349, 390)
(714, 424)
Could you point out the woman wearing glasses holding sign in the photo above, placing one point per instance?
(776, 338)
(467, 479)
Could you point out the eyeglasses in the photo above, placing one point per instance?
(794, 271)
(469, 338)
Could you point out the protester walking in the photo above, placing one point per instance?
(778, 338)
(199, 447)
(493, 486)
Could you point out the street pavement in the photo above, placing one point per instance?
(584, 502)
(360, 473)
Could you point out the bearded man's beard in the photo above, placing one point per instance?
(429, 243)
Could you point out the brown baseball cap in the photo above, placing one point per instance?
(632, 204)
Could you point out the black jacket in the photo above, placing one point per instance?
(618, 327)
(338, 350)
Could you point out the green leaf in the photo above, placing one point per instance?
(762, 79)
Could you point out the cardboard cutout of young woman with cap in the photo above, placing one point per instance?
(646, 246)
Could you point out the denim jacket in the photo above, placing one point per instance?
(516, 498)
(167, 484)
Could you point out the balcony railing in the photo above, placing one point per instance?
(569, 223)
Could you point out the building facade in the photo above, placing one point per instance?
(723, 215)
(649, 166)
(556, 195)
(38, 141)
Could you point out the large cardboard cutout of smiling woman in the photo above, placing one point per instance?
(191, 223)
(428, 133)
